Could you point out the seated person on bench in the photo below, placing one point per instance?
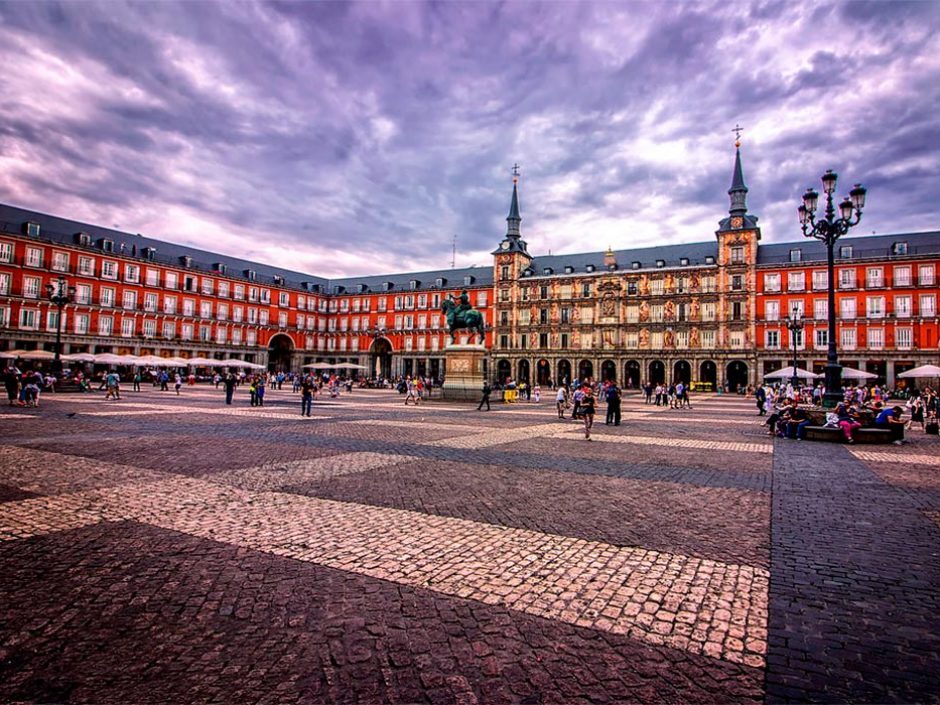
(797, 423)
(890, 419)
(848, 420)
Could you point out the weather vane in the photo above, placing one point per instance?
(737, 134)
(515, 173)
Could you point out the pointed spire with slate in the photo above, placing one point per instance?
(513, 220)
(738, 190)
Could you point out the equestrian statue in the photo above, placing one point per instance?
(460, 314)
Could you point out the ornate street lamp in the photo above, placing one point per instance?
(794, 325)
(829, 229)
(60, 294)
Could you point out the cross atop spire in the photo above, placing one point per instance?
(513, 220)
(737, 134)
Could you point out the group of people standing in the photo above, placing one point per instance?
(674, 395)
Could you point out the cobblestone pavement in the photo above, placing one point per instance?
(175, 549)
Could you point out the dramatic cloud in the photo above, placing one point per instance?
(343, 138)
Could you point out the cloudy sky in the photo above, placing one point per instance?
(350, 138)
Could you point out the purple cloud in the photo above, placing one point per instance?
(349, 138)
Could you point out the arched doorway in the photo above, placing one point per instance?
(564, 372)
(682, 372)
(503, 371)
(523, 371)
(737, 376)
(279, 353)
(609, 371)
(585, 370)
(708, 373)
(657, 372)
(380, 358)
(631, 373)
(543, 371)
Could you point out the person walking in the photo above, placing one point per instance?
(137, 379)
(561, 400)
(586, 408)
(614, 397)
(230, 383)
(306, 396)
(487, 390)
(177, 383)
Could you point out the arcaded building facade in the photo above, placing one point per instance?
(711, 313)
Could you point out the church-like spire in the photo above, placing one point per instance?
(738, 190)
(513, 220)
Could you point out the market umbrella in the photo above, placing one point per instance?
(78, 357)
(922, 371)
(151, 360)
(852, 373)
(36, 355)
(787, 373)
(320, 366)
(352, 366)
(111, 359)
(202, 362)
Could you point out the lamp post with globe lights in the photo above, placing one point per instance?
(828, 229)
(794, 325)
(59, 294)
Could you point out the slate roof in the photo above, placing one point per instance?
(864, 247)
(63, 230)
(696, 253)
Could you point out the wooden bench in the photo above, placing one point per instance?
(835, 435)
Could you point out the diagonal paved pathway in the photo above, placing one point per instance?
(854, 598)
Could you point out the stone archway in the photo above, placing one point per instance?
(585, 370)
(657, 372)
(564, 372)
(609, 371)
(543, 371)
(631, 374)
(682, 372)
(280, 351)
(503, 371)
(523, 375)
(708, 373)
(380, 358)
(736, 375)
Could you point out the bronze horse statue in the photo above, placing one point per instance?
(462, 315)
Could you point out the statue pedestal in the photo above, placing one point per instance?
(463, 378)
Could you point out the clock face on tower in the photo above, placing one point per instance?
(504, 244)
(737, 222)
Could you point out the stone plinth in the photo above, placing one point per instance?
(463, 379)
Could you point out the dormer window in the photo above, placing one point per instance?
(31, 229)
(899, 248)
(250, 275)
(796, 255)
(569, 269)
(589, 268)
(635, 265)
(278, 279)
(683, 261)
(414, 284)
(548, 270)
(709, 259)
(660, 263)
(106, 245)
(440, 282)
(363, 288)
(388, 286)
(845, 252)
(149, 253)
(468, 280)
(83, 239)
(219, 267)
(528, 272)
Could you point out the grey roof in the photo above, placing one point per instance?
(864, 247)
(647, 257)
(63, 231)
(454, 278)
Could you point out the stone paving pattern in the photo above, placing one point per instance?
(174, 549)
